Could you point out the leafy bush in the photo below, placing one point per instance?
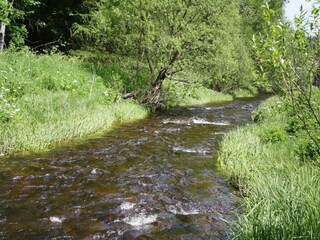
(267, 109)
(273, 135)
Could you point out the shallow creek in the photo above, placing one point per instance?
(153, 179)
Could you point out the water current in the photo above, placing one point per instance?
(153, 179)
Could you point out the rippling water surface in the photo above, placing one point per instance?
(154, 179)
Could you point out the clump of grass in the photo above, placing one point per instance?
(281, 189)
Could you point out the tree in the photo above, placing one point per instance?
(288, 60)
(163, 37)
(50, 24)
(12, 15)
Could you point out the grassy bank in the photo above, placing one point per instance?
(275, 173)
(203, 95)
(47, 99)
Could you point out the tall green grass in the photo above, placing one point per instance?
(281, 190)
(46, 99)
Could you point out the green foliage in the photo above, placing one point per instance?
(50, 24)
(245, 92)
(13, 14)
(273, 135)
(267, 109)
(201, 95)
(281, 191)
(24, 73)
(162, 38)
(288, 61)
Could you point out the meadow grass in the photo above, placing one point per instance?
(46, 120)
(281, 191)
(47, 99)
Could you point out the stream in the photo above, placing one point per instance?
(153, 179)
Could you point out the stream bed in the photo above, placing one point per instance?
(153, 179)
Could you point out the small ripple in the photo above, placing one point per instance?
(215, 108)
(185, 122)
(204, 122)
(180, 209)
(199, 150)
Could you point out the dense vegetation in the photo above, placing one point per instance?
(78, 57)
(74, 67)
(275, 163)
(276, 168)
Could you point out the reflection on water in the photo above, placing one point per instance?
(155, 179)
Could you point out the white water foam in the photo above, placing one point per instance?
(180, 210)
(168, 121)
(214, 108)
(57, 219)
(204, 122)
(191, 150)
(139, 220)
(127, 205)
(186, 150)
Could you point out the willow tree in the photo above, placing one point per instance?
(288, 61)
(163, 36)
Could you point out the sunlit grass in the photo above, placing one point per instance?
(46, 120)
(245, 93)
(281, 191)
(203, 95)
(47, 99)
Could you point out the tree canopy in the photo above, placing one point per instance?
(189, 41)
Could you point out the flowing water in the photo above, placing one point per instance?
(154, 179)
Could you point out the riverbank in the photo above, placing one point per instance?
(49, 99)
(275, 170)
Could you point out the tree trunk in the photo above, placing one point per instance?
(153, 97)
(2, 34)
